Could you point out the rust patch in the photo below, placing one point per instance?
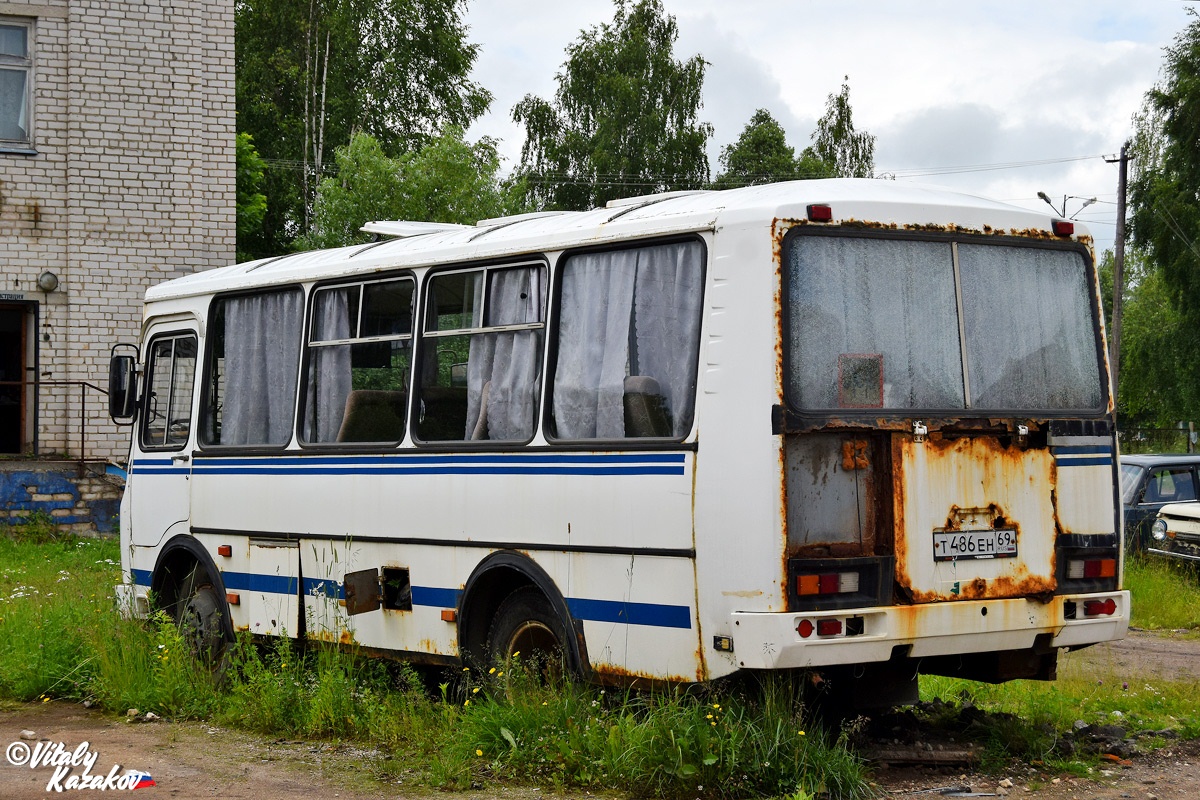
(343, 637)
(991, 466)
(429, 646)
(612, 675)
(899, 526)
(854, 455)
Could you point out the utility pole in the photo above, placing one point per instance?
(1114, 342)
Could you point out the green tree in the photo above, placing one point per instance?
(251, 202)
(760, 155)
(837, 147)
(309, 75)
(447, 180)
(1160, 347)
(624, 118)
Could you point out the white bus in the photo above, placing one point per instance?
(849, 426)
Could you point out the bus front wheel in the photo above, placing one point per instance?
(525, 626)
(201, 619)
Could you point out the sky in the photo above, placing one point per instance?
(1000, 99)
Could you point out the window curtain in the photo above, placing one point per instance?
(262, 351)
(13, 110)
(593, 345)
(666, 320)
(627, 312)
(329, 374)
(510, 360)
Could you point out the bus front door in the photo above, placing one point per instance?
(160, 469)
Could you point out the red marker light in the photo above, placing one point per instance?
(805, 628)
(820, 213)
(1100, 608)
(1063, 227)
(829, 627)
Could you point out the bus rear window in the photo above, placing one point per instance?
(875, 324)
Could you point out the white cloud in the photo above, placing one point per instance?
(939, 82)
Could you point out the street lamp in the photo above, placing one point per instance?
(1063, 211)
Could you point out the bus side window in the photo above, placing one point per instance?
(253, 368)
(628, 336)
(359, 353)
(480, 373)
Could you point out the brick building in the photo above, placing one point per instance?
(116, 173)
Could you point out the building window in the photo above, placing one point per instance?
(15, 67)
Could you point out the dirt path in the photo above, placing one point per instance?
(195, 760)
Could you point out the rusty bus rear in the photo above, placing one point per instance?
(945, 440)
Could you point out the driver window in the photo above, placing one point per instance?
(170, 377)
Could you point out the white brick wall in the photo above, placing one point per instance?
(132, 184)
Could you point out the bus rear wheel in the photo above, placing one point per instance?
(525, 624)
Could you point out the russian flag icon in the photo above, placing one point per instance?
(144, 781)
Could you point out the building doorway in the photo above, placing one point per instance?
(14, 387)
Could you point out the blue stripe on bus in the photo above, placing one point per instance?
(1083, 455)
(257, 582)
(653, 614)
(432, 596)
(524, 458)
(324, 586)
(524, 464)
(1082, 449)
(1094, 461)
(649, 614)
(463, 470)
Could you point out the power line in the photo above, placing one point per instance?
(917, 172)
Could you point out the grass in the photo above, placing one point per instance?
(1032, 720)
(1166, 595)
(61, 637)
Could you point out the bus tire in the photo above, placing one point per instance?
(526, 624)
(201, 618)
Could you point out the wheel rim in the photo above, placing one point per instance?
(533, 637)
(200, 623)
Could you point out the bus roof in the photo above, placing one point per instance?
(869, 202)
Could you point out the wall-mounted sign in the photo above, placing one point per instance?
(11, 296)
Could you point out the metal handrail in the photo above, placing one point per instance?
(83, 387)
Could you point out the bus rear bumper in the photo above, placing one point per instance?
(775, 641)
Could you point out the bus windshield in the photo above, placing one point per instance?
(874, 323)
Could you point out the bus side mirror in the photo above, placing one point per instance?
(122, 387)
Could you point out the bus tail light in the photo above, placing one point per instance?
(831, 626)
(1081, 568)
(1064, 227)
(1100, 608)
(827, 583)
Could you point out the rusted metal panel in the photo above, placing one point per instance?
(362, 591)
(966, 483)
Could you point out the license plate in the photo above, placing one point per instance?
(957, 545)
